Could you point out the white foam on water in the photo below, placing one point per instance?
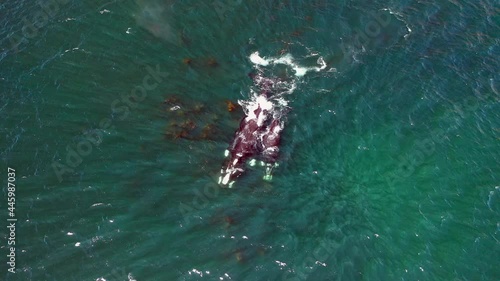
(256, 59)
(287, 59)
(492, 85)
(400, 17)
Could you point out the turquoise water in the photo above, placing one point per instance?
(389, 163)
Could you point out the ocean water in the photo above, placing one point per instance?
(115, 117)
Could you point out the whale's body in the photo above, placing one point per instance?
(258, 136)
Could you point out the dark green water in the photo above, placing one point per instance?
(389, 168)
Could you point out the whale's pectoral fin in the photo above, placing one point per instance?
(268, 176)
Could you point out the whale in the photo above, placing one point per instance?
(258, 135)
